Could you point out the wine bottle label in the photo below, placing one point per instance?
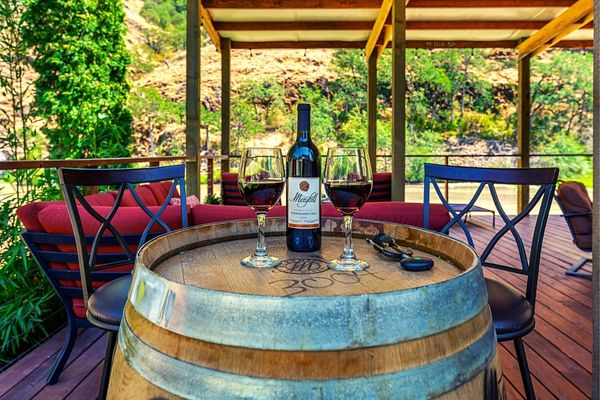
(303, 203)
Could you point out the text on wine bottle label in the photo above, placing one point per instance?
(303, 203)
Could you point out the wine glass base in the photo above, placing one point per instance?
(260, 262)
(347, 265)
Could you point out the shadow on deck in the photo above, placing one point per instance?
(558, 350)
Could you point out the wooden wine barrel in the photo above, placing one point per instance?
(199, 325)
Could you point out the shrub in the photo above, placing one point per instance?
(570, 167)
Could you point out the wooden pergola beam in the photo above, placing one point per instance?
(337, 4)
(378, 26)
(209, 26)
(367, 25)
(410, 44)
(596, 210)
(385, 42)
(192, 109)
(564, 34)
(574, 17)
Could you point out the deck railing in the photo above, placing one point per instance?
(208, 163)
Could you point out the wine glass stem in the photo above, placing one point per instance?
(348, 253)
(261, 249)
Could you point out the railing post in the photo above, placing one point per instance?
(523, 127)
(209, 172)
(154, 164)
(446, 185)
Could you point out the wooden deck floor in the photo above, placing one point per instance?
(559, 349)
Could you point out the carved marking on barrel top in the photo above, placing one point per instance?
(311, 266)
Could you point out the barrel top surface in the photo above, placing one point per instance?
(215, 265)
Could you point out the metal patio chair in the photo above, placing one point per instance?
(104, 305)
(576, 206)
(512, 313)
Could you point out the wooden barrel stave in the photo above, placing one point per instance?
(171, 347)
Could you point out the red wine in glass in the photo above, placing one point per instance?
(261, 179)
(262, 196)
(348, 182)
(348, 197)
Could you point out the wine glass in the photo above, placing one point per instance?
(261, 178)
(348, 182)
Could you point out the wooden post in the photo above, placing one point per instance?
(372, 109)
(225, 101)
(523, 127)
(192, 103)
(210, 162)
(398, 100)
(596, 210)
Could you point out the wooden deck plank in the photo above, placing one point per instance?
(89, 387)
(510, 369)
(558, 350)
(28, 387)
(75, 373)
(546, 374)
(17, 372)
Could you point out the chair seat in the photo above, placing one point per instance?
(511, 312)
(106, 304)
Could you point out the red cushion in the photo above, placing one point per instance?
(101, 199)
(382, 187)
(403, 213)
(145, 194)
(28, 214)
(127, 220)
(78, 307)
(161, 191)
(230, 193)
(574, 198)
(209, 213)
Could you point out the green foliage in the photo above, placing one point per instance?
(561, 96)
(570, 167)
(484, 126)
(164, 13)
(28, 303)
(245, 122)
(149, 103)
(426, 142)
(213, 199)
(82, 62)
(322, 115)
(170, 17)
(267, 97)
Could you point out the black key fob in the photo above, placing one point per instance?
(417, 264)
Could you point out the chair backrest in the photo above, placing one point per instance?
(576, 206)
(230, 192)
(488, 177)
(72, 183)
(382, 187)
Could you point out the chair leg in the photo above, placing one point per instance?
(573, 270)
(110, 349)
(524, 368)
(65, 352)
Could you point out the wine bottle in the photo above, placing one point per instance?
(303, 189)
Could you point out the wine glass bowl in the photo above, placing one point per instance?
(261, 179)
(348, 182)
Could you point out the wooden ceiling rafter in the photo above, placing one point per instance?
(585, 22)
(367, 25)
(207, 22)
(378, 26)
(575, 17)
(411, 44)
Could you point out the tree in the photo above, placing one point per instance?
(16, 121)
(82, 89)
